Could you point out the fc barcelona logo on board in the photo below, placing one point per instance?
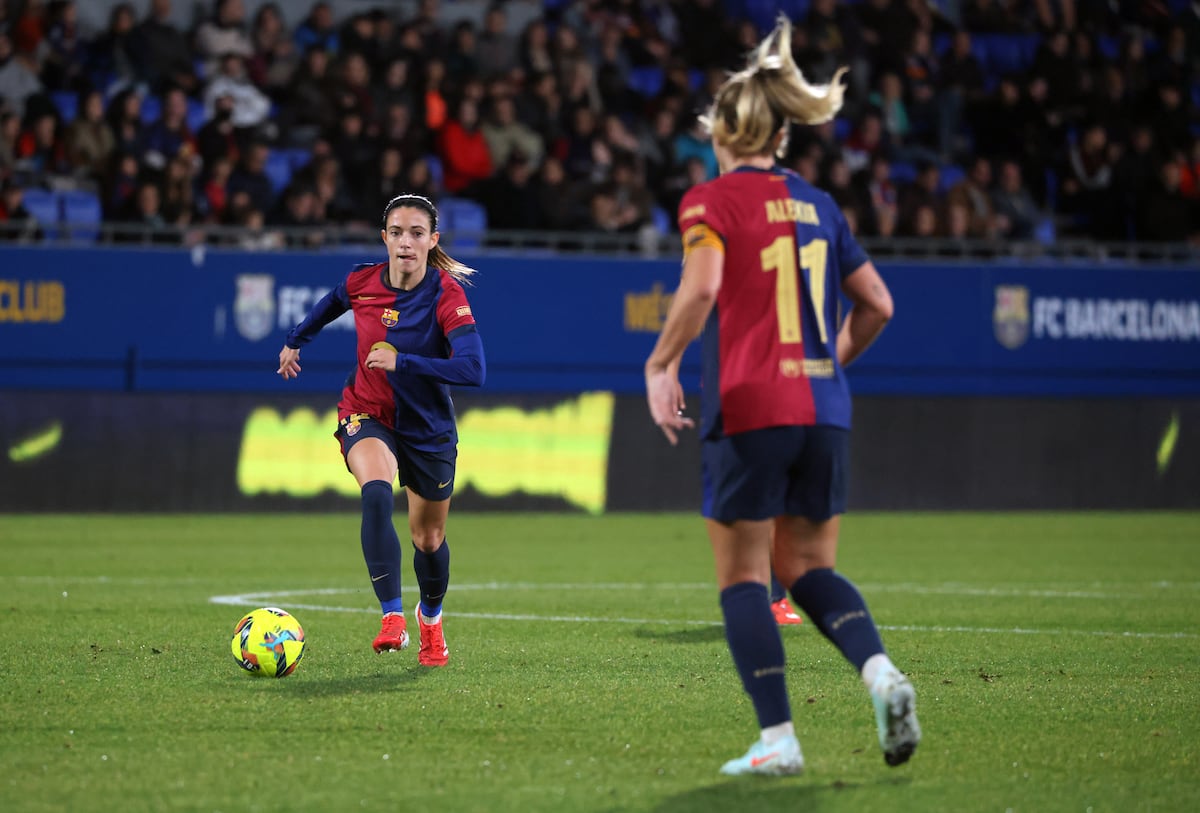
(254, 307)
(390, 317)
(1010, 319)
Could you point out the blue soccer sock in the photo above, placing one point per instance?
(380, 545)
(777, 591)
(433, 576)
(838, 610)
(757, 650)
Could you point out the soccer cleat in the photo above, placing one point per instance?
(393, 634)
(433, 650)
(896, 715)
(780, 758)
(784, 614)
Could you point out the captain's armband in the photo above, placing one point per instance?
(700, 235)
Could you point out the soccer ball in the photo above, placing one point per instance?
(268, 641)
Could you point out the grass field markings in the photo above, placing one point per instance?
(267, 597)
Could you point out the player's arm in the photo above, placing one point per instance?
(703, 268)
(872, 308)
(465, 367)
(324, 311)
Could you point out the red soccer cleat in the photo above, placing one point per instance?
(784, 614)
(393, 634)
(433, 650)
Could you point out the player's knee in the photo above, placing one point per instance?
(428, 539)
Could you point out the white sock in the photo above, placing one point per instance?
(875, 665)
(429, 619)
(775, 733)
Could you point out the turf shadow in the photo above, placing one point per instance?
(687, 635)
(399, 680)
(765, 793)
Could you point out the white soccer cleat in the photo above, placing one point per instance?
(895, 703)
(780, 758)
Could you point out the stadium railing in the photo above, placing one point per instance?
(649, 242)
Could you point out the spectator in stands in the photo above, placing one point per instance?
(357, 36)
(920, 193)
(511, 197)
(298, 216)
(704, 34)
(10, 131)
(124, 116)
(394, 87)
(352, 91)
(540, 106)
(1170, 118)
(628, 185)
(145, 211)
(866, 142)
(1168, 216)
(960, 90)
(89, 141)
(251, 107)
(1135, 177)
(178, 192)
(223, 35)
(214, 199)
(307, 101)
(18, 76)
(170, 135)
(275, 57)
(65, 49)
(464, 150)
(433, 97)
(462, 63)
(335, 201)
(41, 152)
(250, 176)
(428, 29)
(991, 17)
(121, 187)
(164, 52)
(1017, 214)
(218, 138)
(835, 36)
(973, 194)
(888, 99)
(694, 143)
(560, 199)
(385, 183)
(879, 198)
(29, 28)
(17, 224)
(354, 148)
(419, 180)
(496, 50)
(253, 235)
(505, 135)
(400, 132)
(1087, 192)
(533, 49)
(317, 30)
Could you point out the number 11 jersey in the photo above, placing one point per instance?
(769, 347)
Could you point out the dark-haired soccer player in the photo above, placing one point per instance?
(765, 254)
(416, 336)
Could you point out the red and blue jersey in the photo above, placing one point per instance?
(769, 347)
(421, 324)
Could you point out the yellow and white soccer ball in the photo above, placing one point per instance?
(269, 642)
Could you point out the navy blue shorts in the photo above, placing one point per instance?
(429, 474)
(794, 470)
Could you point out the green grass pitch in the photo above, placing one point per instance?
(1055, 658)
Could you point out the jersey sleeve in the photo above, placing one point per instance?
(324, 311)
(850, 255)
(701, 221)
(454, 311)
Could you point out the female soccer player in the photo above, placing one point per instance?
(416, 335)
(765, 254)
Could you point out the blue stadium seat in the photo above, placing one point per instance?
(195, 115)
(903, 172)
(661, 219)
(45, 207)
(279, 169)
(81, 212)
(842, 127)
(647, 81)
(151, 108)
(67, 104)
(465, 219)
(298, 157)
(796, 10)
(762, 13)
(949, 175)
(436, 170)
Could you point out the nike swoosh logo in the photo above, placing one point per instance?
(377, 578)
(443, 485)
(756, 761)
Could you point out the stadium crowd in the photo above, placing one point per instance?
(991, 119)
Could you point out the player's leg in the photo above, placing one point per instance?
(805, 555)
(430, 481)
(743, 488)
(780, 606)
(372, 460)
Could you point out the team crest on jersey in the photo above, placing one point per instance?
(390, 317)
(254, 307)
(1010, 318)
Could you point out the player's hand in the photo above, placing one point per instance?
(289, 362)
(382, 357)
(664, 394)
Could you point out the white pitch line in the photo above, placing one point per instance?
(265, 598)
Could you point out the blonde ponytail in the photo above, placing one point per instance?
(756, 102)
